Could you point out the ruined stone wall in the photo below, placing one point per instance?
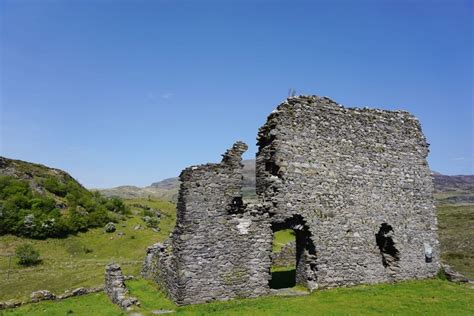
(219, 249)
(286, 257)
(115, 288)
(360, 181)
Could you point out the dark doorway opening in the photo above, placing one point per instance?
(390, 254)
(283, 270)
(299, 265)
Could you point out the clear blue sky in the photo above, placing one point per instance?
(131, 92)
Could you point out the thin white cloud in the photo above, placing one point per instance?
(151, 96)
(463, 159)
(167, 95)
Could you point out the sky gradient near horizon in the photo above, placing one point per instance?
(132, 92)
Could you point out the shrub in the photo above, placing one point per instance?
(24, 212)
(441, 274)
(116, 205)
(27, 255)
(151, 222)
(54, 186)
(149, 213)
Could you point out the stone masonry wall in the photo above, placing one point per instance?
(219, 248)
(353, 184)
(360, 180)
(115, 288)
(286, 257)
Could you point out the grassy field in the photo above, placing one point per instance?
(456, 232)
(428, 297)
(80, 260)
(281, 238)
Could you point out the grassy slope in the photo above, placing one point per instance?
(67, 265)
(429, 297)
(456, 232)
(71, 269)
(281, 238)
(93, 304)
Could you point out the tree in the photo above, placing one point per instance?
(27, 255)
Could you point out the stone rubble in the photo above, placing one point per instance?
(42, 295)
(452, 275)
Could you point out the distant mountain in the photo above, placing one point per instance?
(168, 188)
(166, 184)
(445, 183)
(456, 188)
(167, 191)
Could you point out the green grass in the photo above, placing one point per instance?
(427, 297)
(92, 304)
(281, 238)
(149, 295)
(80, 260)
(456, 233)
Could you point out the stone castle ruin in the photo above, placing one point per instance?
(353, 184)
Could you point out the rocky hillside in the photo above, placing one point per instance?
(449, 189)
(169, 193)
(454, 183)
(454, 189)
(39, 177)
(38, 202)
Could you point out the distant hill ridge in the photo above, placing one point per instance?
(168, 188)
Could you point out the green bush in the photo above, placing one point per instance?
(24, 212)
(116, 205)
(151, 222)
(54, 186)
(441, 274)
(27, 255)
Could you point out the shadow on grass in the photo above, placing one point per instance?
(283, 279)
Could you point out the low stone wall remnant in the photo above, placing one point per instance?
(116, 289)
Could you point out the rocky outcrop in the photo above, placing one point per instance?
(116, 289)
(452, 275)
(110, 227)
(42, 295)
